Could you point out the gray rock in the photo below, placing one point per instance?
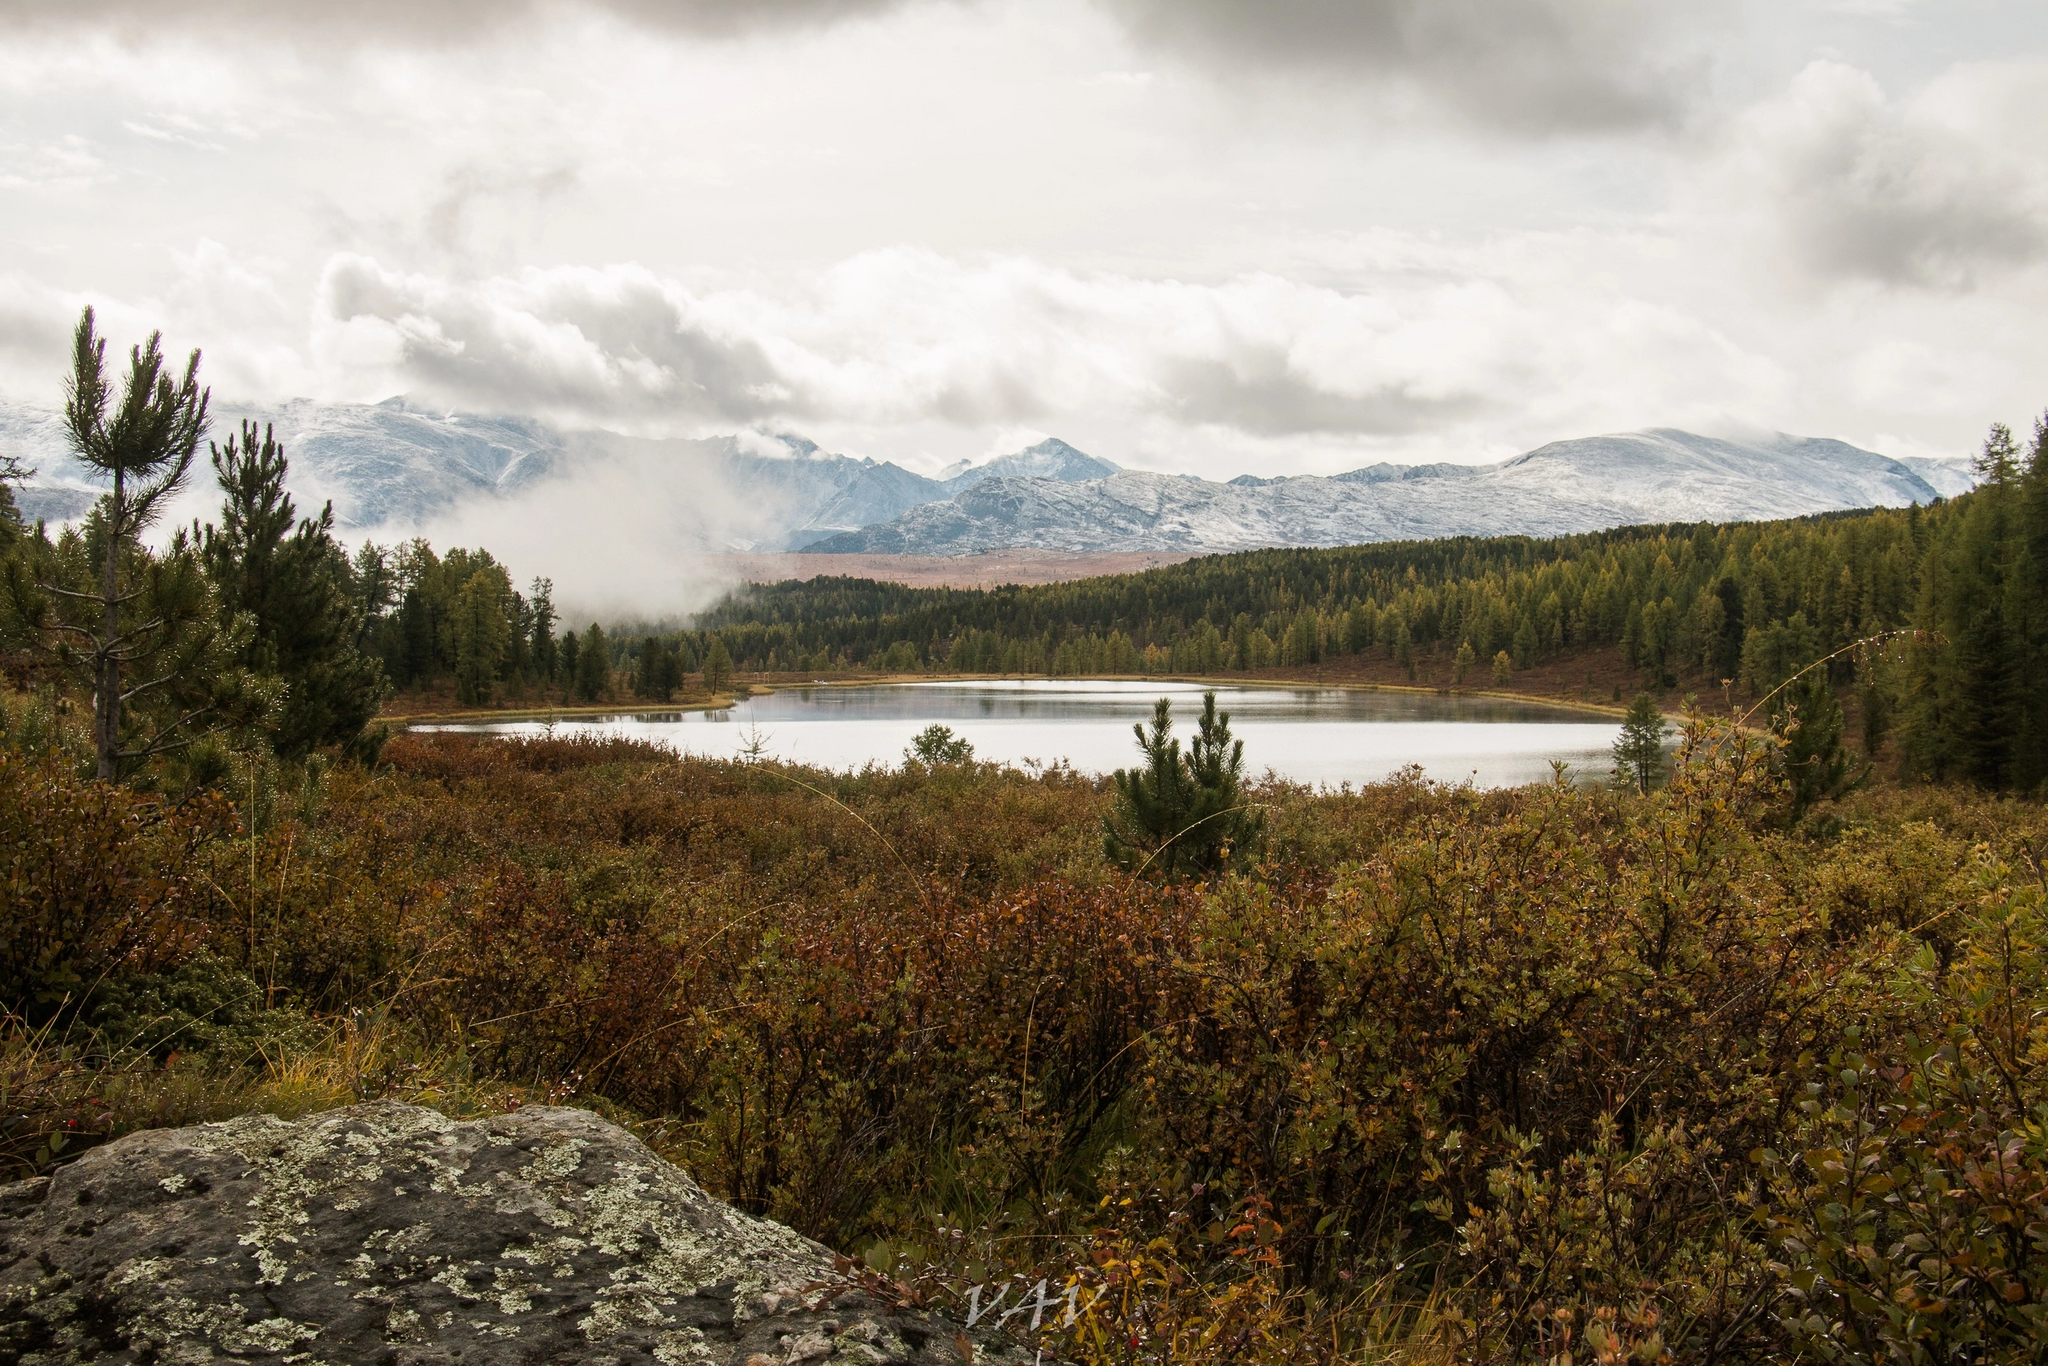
(389, 1234)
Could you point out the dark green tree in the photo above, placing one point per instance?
(593, 665)
(144, 630)
(295, 584)
(1808, 721)
(571, 660)
(1973, 662)
(937, 744)
(542, 631)
(1182, 813)
(657, 672)
(1639, 749)
(717, 667)
(1727, 661)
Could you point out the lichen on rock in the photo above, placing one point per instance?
(389, 1234)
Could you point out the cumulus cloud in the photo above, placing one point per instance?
(897, 338)
(1934, 192)
(904, 335)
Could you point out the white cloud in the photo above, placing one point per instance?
(903, 337)
(1937, 191)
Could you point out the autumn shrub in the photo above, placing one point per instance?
(1907, 1204)
(1449, 1075)
(95, 880)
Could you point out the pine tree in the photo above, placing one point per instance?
(305, 602)
(1727, 661)
(1639, 749)
(541, 643)
(1182, 814)
(1970, 668)
(145, 630)
(1811, 758)
(593, 665)
(570, 661)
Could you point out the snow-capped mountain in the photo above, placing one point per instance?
(1051, 458)
(392, 466)
(1567, 486)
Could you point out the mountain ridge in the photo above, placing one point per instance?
(1585, 484)
(396, 466)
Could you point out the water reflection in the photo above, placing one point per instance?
(1311, 735)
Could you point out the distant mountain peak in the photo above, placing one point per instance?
(1051, 458)
(1629, 478)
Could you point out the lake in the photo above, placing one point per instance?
(1323, 736)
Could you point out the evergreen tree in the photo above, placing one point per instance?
(2030, 577)
(482, 635)
(717, 667)
(593, 665)
(144, 630)
(1808, 722)
(570, 661)
(1181, 813)
(1639, 749)
(1727, 657)
(1972, 662)
(301, 596)
(656, 671)
(542, 630)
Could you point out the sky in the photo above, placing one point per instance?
(1205, 236)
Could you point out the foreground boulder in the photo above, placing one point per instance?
(389, 1234)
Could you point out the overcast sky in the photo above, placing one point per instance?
(1202, 235)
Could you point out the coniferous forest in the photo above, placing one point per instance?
(1740, 1057)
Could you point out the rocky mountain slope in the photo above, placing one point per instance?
(1567, 486)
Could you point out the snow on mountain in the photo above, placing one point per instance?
(1051, 458)
(1950, 475)
(1567, 486)
(393, 466)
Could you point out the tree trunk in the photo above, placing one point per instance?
(107, 683)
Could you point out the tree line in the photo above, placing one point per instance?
(1965, 691)
(261, 629)
(264, 624)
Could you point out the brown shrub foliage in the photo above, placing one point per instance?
(1498, 1075)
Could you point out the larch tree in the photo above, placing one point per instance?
(1639, 749)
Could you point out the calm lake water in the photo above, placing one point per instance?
(1311, 735)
